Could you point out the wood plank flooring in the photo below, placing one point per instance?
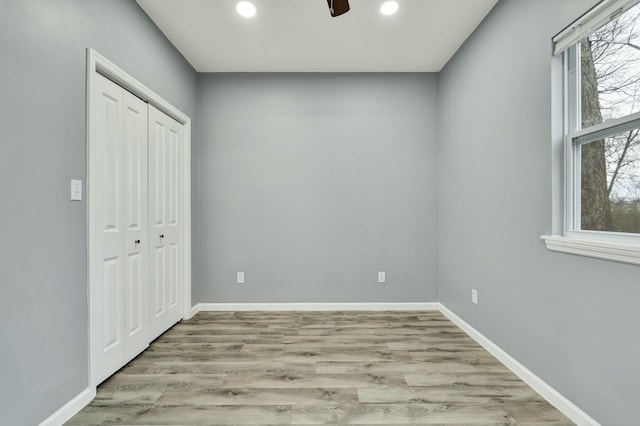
(283, 368)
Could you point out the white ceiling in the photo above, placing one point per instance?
(301, 36)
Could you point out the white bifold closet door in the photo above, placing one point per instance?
(121, 234)
(165, 221)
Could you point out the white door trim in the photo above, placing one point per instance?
(97, 63)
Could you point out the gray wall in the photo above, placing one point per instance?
(572, 320)
(43, 327)
(311, 183)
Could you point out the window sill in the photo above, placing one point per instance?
(602, 250)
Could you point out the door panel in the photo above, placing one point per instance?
(121, 246)
(112, 335)
(157, 280)
(109, 347)
(157, 143)
(135, 294)
(174, 178)
(165, 201)
(174, 260)
(109, 112)
(157, 182)
(136, 240)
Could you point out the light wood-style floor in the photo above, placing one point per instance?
(283, 368)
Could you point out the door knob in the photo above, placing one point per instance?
(137, 241)
(161, 235)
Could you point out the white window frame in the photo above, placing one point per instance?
(616, 246)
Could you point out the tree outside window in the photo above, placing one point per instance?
(610, 89)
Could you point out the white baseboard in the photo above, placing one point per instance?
(424, 306)
(70, 409)
(554, 397)
(191, 312)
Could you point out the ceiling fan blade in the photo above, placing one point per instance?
(338, 7)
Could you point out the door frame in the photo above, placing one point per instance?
(96, 63)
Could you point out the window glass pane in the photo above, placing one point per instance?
(610, 68)
(610, 183)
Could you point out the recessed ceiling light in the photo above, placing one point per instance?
(246, 9)
(389, 8)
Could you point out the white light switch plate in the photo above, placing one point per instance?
(382, 277)
(240, 277)
(76, 190)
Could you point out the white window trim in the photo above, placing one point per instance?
(614, 246)
(592, 248)
(593, 19)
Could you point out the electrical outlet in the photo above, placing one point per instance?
(382, 277)
(76, 190)
(240, 277)
(474, 296)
